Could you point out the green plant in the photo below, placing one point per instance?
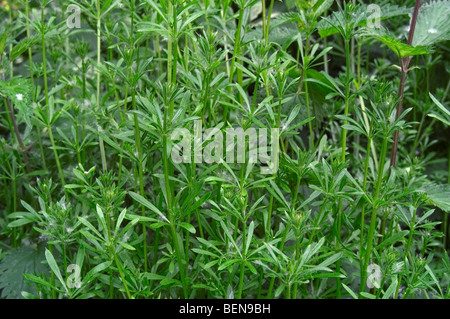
(116, 175)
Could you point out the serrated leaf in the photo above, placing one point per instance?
(357, 18)
(438, 195)
(401, 49)
(16, 263)
(432, 24)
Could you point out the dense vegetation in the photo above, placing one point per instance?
(93, 204)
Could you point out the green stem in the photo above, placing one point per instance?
(347, 99)
(55, 153)
(366, 172)
(100, 140)
(272, 280)
(169, 196)
(343, 145)
(121, 273)
(244, 255)
(374, 212)
(141, 171)
(308, 109)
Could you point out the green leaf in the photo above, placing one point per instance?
(170, 281)
(96, 270)
(119, 221)
(152, 276)
(438, 195)
(446, 113)
(17, 262)
(18, 90)
(147, 204)
(367, 295)
(354, 296)
(279, 290)
(357, 18)
(126, 246)
(398, 236)
(20, 222)
(401, 49)
(251, 228)
(391, 289)
(3, 42)
(188, 227)
(228, 263)
(204, 252)
(54, 267)
(321, 6)
(38, 280)
(432, 24)
(22, 46)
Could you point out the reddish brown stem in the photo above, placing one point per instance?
(401, 90)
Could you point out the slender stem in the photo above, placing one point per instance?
(236, 52)
(141, 171)
(288, 290)
(241, 276)
(317, 222)
(308, 109)
(374, 212)
(297, 257)
(55, 153)
(272, 280)
(44, 59)
(343, 143)
(237, 43)
(121, 273)
(169, 195)
(366, 171)
(347, 99)
(401, 90)
(100, 140)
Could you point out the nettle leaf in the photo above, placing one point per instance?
(438, 195)
(401, 49)
(18, 90)
(358, 18)
(432, 23)
(19, 261)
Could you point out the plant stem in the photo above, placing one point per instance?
(169, 196)
(141, 171)
(236, 51)
(366, 171)
(347, 99)
(241, 276)
(308, 109)
(55, 153)
(121, 273)
(401, 90)
(343, 145)
(100, 140)
(374, 212)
